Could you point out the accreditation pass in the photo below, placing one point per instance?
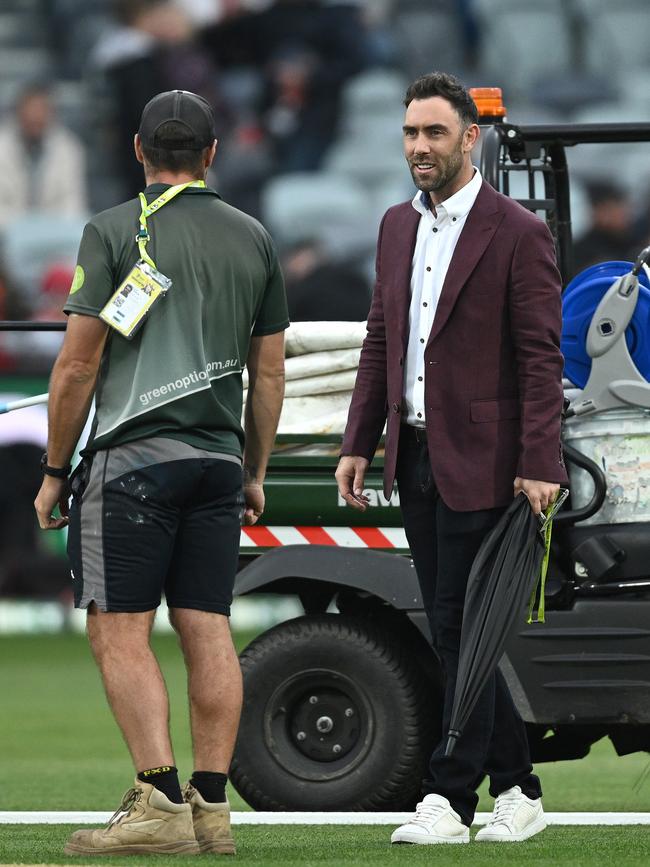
(135, 296)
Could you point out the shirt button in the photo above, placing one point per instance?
(422, 340)
(453, 219)
(419, 379)
(424, 304)
(434, 229)
(419, 415)
(428, 267)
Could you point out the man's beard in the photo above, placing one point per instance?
(447, 171)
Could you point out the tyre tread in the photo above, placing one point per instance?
(401, 788)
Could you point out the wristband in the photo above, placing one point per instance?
(57, 472)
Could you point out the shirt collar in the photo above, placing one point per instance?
(456, 206)
(157, 188)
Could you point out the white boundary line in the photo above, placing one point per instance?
(269, 818)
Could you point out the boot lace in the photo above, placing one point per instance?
(425, 814)
(188, 790)
(504, 808)
(129, 801)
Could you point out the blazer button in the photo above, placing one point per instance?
(395, 407)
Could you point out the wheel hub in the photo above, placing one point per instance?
(319, 724)
(324, 724)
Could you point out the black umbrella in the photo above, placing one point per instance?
(505, 573)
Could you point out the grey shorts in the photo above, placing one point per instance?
(152, 516)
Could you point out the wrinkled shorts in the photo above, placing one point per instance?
(151, 517)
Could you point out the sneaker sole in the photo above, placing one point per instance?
(533, 829)
(220, 847)
(429, 840)
(180, 847)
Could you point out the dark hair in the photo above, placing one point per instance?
(448, 87)
(604, 191)
(128, 11)
(168, 159)
(31, 89)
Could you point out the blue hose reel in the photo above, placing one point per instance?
(579, 302)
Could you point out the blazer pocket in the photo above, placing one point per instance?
(494, 410)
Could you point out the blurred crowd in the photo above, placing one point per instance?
(308, 96)
(308, 99)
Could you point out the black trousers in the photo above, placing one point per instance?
(443, 546)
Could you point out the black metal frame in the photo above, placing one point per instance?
(542, 149)
(29, 325)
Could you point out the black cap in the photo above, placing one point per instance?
(191, 112)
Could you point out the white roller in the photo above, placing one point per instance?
(328, 383)
(306, 337)
(318, 364)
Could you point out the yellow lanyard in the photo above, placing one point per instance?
(147, 210)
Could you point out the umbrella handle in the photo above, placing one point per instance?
(546, 518)
(452, 737)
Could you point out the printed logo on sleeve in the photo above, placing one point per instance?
(78, 279)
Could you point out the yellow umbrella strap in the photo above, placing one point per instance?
(541, 583)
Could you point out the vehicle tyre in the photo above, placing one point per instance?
(337, 716)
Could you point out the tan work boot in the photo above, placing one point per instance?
(146, 822)
(211, 823)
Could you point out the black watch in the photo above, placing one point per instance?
(57, 472)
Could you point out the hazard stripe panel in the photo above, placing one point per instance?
(345, 537)
(260, 537)
(316, 535)
(373, 537)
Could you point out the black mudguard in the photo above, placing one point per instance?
(390, 577)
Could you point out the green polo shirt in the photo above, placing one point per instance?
(180, 376)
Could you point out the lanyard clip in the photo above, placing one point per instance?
(142, 236)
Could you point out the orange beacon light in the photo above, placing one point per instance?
(489, 102)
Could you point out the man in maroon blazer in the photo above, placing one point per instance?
(462, 363)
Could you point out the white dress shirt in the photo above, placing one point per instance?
(438, 233)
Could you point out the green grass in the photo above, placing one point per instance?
(331, 846)
(61, 749)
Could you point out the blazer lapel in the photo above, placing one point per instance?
(480, 226)
(405, 231)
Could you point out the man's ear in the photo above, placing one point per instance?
(471, 136)
(210, 154)
(137, 147)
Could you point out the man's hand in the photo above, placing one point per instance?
(540, 494)
(265, 365)
(254, 499)
(350, 475)
(53, 492)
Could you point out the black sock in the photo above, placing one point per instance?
(210, 785)
(166, 780)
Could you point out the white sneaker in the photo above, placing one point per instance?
(514, 818)
(434, 822)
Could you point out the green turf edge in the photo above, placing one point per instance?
(61, 749)
(334, 845)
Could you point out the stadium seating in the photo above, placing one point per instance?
(523, 41)
(330, 207)
(35, 241)
(429, 35)
(591, 161)
(614, 35)
(372, 93)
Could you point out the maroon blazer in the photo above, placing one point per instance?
(493, 367)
